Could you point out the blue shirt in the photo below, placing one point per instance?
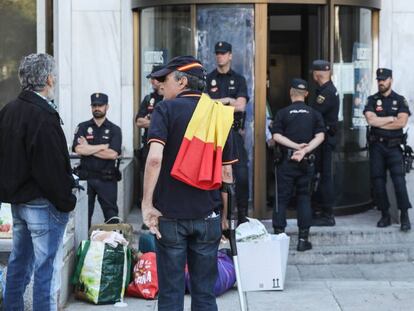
(173, 198)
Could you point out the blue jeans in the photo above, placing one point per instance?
(195, 241)
(38, 229)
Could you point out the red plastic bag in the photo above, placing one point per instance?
(145, 277)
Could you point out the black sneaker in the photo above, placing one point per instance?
(324, 221)
(304, 245)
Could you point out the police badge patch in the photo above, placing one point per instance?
(405, 102)
(320, 99)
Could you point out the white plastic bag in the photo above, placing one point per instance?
(250, 230)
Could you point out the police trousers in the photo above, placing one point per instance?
(391, 158)
(107, 192)
(240, 172)
(291, 174)
(324, 194)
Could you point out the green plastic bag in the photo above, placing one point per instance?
(102, 273)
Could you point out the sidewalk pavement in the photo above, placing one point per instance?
(357, 287)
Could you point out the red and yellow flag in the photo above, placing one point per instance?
(199, 160)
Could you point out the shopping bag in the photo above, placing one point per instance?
(226, 275)
(123, 228)
(145, 277)
(102, 272)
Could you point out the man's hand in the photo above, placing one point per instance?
(298, 155)
(224, 224)
(150, 216)
(82, 141)
(301, 146)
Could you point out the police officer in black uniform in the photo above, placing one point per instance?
(387, 114)
(98, 142)
(229, 87)
(298, 129)
(327, 103)
(143, 120)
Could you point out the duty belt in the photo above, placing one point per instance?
(288, 153)
(390, 142)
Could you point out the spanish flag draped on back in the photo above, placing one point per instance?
(199, 160)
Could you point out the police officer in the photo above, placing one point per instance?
(98, 142)
(327, 103)
(143, 117)
(299, 129)
(387, 114)
(143, 120)
(229, 87)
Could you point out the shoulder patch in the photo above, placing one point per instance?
(76, 130)
(320, 99)
(405, 102)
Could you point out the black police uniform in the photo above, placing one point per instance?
(385, 151)
(299, 123)
(327, 103)
(233, 85)
(101, 173)
(145, 111)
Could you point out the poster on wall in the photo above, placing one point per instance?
(150, 59)
(362, 59)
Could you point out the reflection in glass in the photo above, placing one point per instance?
(353, 79)
(233, 24)
(165, 33)
(17, 39)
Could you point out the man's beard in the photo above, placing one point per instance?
(383, 88)
(98, 114)
(51, 94)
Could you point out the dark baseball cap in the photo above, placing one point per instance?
(154, 69)
(384, 73)
(187, 64)
(321, 65)
(222, 47)
(99, 99)
(299, 84)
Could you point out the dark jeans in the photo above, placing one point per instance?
(240, 172)
(324, 195)
(195, 241)
(289, 175)
(107, 192)
(381, 159)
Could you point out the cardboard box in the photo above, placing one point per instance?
(263, 263)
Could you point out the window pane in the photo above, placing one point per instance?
(353, 78)
(165, 33)
(17, 39)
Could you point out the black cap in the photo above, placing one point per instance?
(99, 99)
(299, 84)
(187, 64)
(222, 47)
(321, 65)
(154, 69)
(384, 73)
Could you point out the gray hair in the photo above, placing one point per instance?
(194, 83)
(34, 70)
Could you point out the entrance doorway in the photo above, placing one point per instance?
(297, 35)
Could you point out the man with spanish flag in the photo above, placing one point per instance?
(189, 159)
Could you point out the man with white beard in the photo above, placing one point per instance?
(36, 178)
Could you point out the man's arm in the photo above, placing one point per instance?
(107, 154)
(227, 176)
(143, 122)
(150, 214)
(375, 121)
(315, 142)
(239, 103)
(282, 140)
(85, 149)
(398, 123)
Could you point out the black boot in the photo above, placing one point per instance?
(278, 230)
(405, 221)
(385, 220)
(303, 243)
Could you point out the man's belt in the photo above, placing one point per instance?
(288, 153)
(390, 142)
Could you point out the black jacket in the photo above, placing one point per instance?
(34, 159)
